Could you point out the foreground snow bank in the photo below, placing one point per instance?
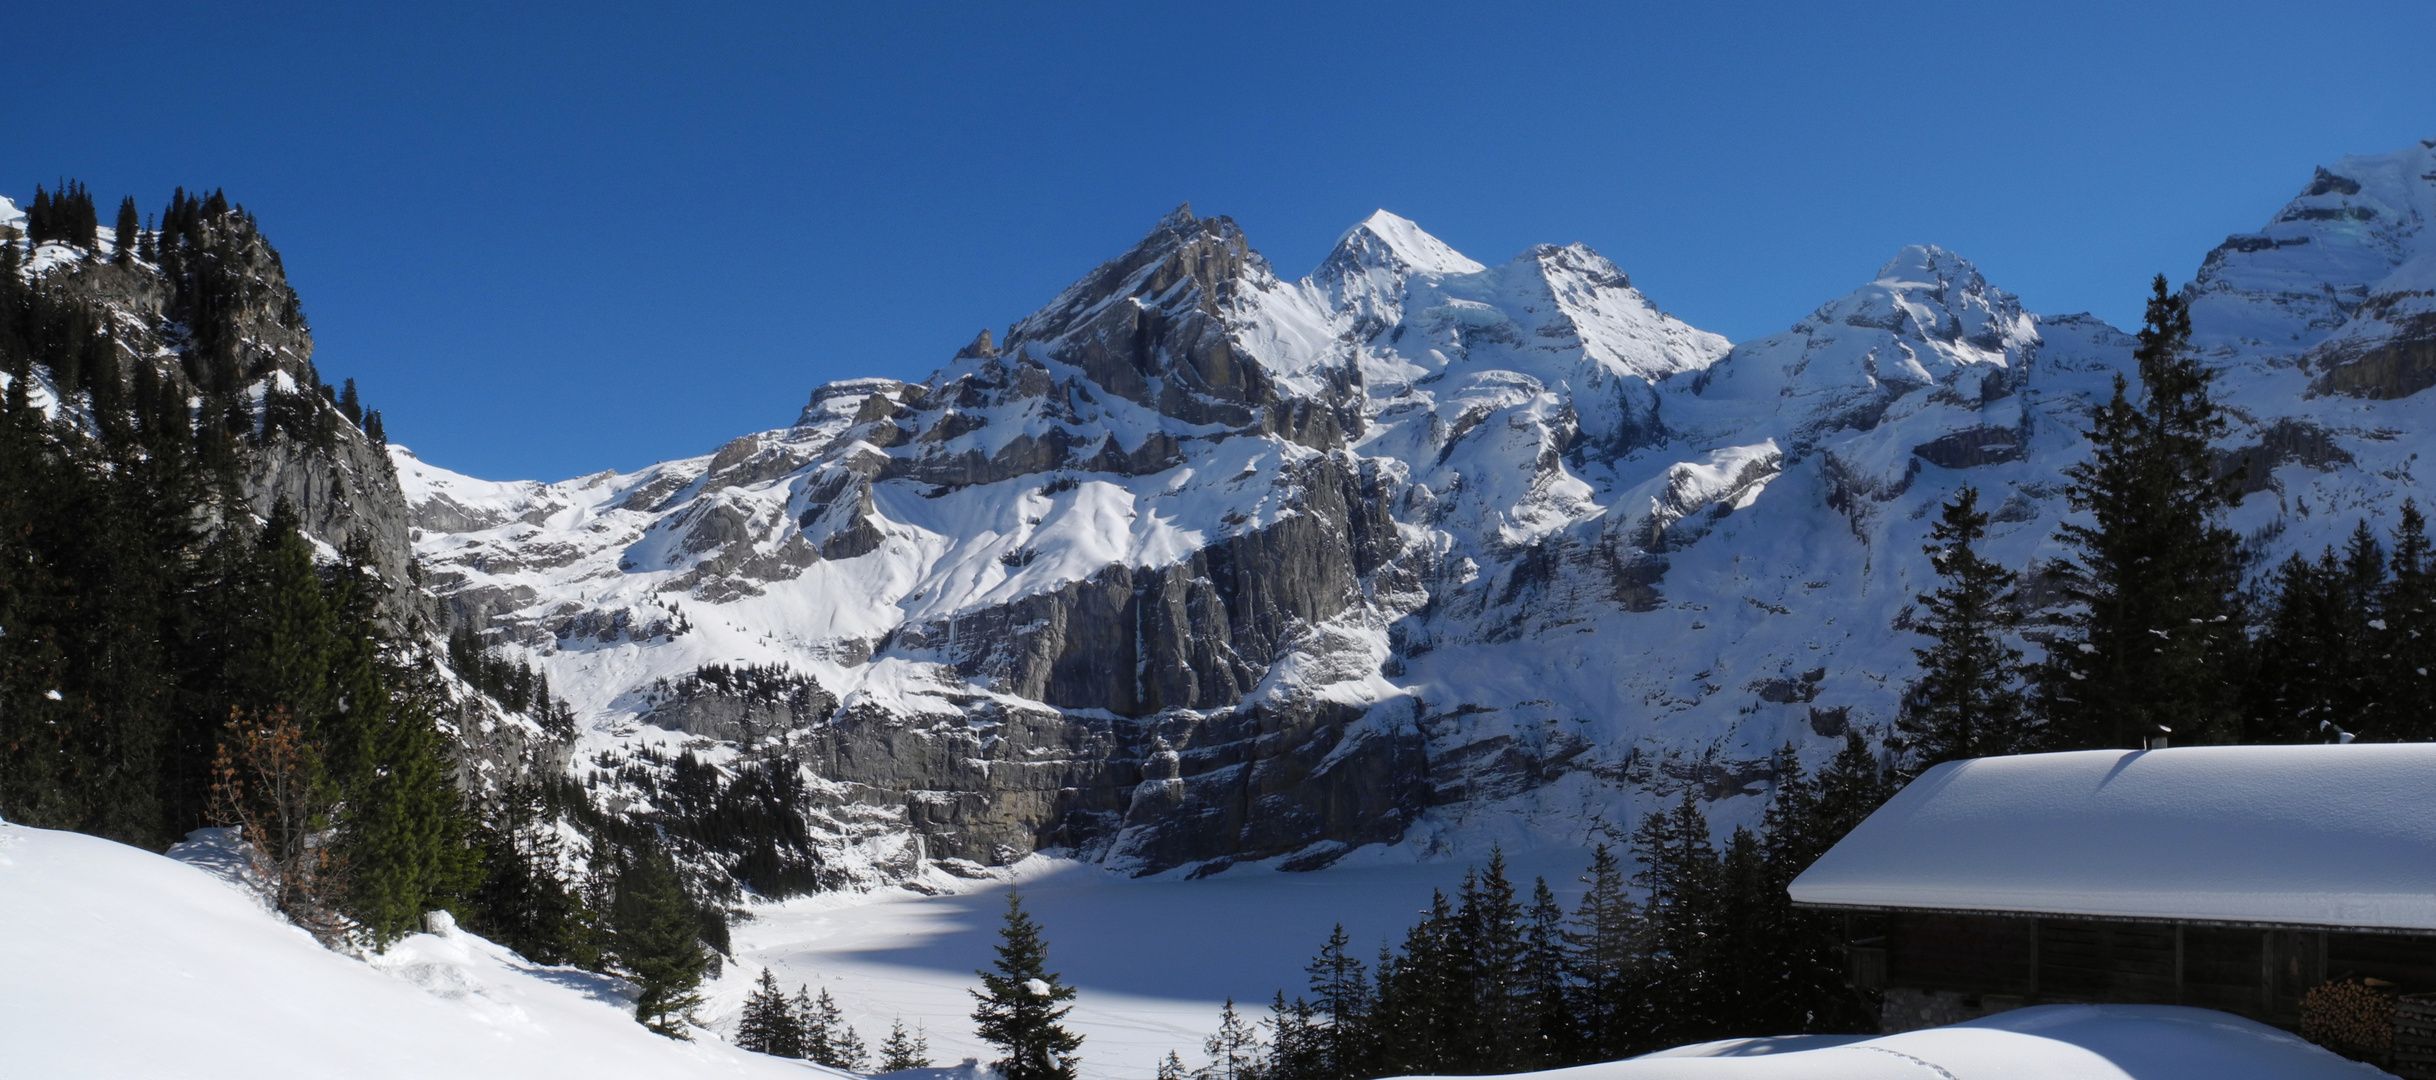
(115, 962)
(2047, 1042)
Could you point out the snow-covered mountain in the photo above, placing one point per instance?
(1201, 565)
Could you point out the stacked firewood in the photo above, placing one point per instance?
(2350, 1015)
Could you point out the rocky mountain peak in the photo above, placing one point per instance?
(1934, 299)
(1200, 566)
(2326, 256)
(1389, 242)
(1928, 263)
(980, 349)
(1153, 326)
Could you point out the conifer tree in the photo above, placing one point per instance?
(904, 1050)
(1421, 997)
(2407, 643)
(1171, 1067)
(522, 902)
(39, 219)
(1809, 987)
(1966, 703)
(847, 1052)
(350, 404)
(1499, 1016)
(125, 236)
(768, 1025)
(1552, 1037)
(2155, 647)
(1234, 1049)
(1340, 989)
(657, 936)
(1603, 944)
(1295, 1049)
(815, 1028)
(285, 660)
(1020, 1004)
(827, 1038)
(1680, 875)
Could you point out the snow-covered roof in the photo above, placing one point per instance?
(2337, 836)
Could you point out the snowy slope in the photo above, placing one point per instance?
(94, 933)
(2083, 1042)
(91, 932)
(1200, 564)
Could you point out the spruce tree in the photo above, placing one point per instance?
(522, 901)
(1552, 1039)
(1020, 1004)
(1234, 1049)
(2155, 645)
(1296, 1051)
(847, 1052)
(2407, 642)
(815, 1028)
(125, 236)
(657, 941)
(1603, 950)
(768, 1025)
(1422, 995)
(827, 1038)
(1340, 988)
(1810, 991)
(1967, 703)
(1500, 1017)
(2296, 674)
(1171, 1067)
(1680, 876)
(904, 1050)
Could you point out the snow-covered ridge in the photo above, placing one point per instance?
(1198, 563)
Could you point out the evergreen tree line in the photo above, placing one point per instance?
(747, 824)
(169, 662)
(1700, 943)
(814, 1029)
(67, 217)
(210, 254)
(510, 682)
(166, 663)
(2161, 640)
(623, 908)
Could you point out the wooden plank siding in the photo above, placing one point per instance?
(2105, 961)
(1972, 954)
(2259, 973)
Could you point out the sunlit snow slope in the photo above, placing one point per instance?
(1200, 565)
(121, 963)
(115, 962)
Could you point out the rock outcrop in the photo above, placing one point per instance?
(1198, 566)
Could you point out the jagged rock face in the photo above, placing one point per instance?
(1198, 566)
(344, 492)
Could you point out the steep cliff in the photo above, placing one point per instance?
(1199, 565)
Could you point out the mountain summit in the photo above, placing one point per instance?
(1200, 565)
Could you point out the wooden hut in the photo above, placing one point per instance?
(2228, 877)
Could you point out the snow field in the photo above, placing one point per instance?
(118, 963)
(1153, 960)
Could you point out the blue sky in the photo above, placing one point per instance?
(547, 241)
